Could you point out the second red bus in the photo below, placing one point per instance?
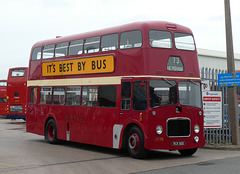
(16, 93)
(3, 97)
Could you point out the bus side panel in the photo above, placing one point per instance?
(3, 98)
(33, 122)
(72, 123)
(97, 125)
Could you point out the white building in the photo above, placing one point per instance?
(215, 59)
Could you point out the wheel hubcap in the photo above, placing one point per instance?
(51, 131)
(134, 142)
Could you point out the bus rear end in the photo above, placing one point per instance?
(3, 97)
(16, 93)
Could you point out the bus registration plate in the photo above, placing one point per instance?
(178, 143)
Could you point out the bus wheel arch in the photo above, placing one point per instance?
(50, 131)
(134, 141)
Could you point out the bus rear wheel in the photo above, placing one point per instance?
(51, 132)
(187, 152)
(135, 143)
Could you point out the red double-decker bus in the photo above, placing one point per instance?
(135, 86)
(3, 97)
(16, 93)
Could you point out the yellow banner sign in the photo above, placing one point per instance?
(104, 64)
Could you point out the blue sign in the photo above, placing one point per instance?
(227, 80)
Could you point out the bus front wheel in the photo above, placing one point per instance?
(51, 132)
(188, 152)
(135, 143)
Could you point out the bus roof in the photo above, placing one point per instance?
(127, 27)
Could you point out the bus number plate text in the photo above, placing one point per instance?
(178, 143)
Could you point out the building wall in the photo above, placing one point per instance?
(215, 59)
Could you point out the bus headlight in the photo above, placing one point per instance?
(196, 129)
(159, 130)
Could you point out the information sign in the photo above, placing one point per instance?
(212, 108)
(227, 80)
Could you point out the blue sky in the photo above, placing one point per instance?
(25, 22)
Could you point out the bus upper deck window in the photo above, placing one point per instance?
(36, 54)
(3, 83)
(131, 39)
(184, 41)
(18, 73)
(48, 51)
(160, 39)
(91, 45)
(109, 42)
(61, 49)
(75, 47)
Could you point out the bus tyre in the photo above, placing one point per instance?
(135, 143)
(188, 152)
(51, 132)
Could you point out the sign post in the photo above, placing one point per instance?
(233, 108)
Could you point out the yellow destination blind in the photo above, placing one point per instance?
(104, 64)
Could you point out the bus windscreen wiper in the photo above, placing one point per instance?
(168, 82)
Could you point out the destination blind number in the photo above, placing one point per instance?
(175, 64)
(104, 64)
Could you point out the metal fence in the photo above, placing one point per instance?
(218, 135)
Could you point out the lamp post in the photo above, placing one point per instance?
(232, 91)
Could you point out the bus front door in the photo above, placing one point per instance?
(126, 101)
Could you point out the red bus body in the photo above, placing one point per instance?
(16, 92)
(3, 97)
(141, 68)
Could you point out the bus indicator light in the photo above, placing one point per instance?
(140, 117)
